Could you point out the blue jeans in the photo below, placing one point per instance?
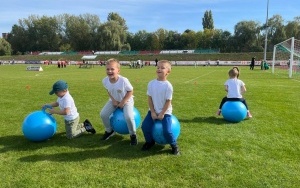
(147, 127)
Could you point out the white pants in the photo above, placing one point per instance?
(108, 109)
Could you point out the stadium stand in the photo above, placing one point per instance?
(50, 53)
(129, 52)
(206, 51)
(107, 52)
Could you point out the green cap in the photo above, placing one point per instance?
(58, 86)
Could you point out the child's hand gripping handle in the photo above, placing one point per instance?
(45, 107)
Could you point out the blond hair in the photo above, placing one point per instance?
(169, 65)
(113, 60)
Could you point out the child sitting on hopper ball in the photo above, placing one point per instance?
(234, 88)
(67, 108)
(120, 92)
(160, 92)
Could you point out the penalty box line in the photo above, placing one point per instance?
(199, 77)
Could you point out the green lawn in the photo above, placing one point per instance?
(260, 152)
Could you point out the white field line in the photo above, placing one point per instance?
(199, 77)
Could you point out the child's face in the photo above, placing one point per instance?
(162, 71)
(112, 70)
(60, 93)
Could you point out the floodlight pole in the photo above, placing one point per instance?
(266, 34)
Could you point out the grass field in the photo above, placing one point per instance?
(260, 152)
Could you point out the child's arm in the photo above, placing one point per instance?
(125, 99)
(64, 111)
(54, 104)
(115, 103)
(226, 88)
(152, 110)
(243, 89)
(165, 108)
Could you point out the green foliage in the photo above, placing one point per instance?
(258, 152)
(5, 47)
(207, 20)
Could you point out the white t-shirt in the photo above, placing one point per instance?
(160, 92)
(67, 101)
(119, 89)
(234, 88)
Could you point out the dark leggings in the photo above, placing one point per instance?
(225, 99)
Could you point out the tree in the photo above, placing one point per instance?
(207, 20)
(189, 39)
(116, 17)
(292, 29)
(111, 36)
(5, 47)
(173, 40)
(18, 38)
(245, 34)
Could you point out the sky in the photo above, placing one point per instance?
(150, 15)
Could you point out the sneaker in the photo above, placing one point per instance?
(133, 140)
(107, 135)
(219, 112)
(175, 150)
(148, 145)
(249, 115)
(89, 127)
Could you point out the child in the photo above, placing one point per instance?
(67, 108)
(234, 88)
(120, 92)
(160, 92)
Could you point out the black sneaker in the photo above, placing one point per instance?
(148, 145)
(175, 150)
(133, 140)
(89, 127)
(107, 135)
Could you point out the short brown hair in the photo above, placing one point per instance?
(233, 73)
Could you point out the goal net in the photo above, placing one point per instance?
(286, 58)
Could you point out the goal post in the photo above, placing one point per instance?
(286, 57)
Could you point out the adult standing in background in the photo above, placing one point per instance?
(252, 63)
(156, 60)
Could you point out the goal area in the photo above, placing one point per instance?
(286, 58)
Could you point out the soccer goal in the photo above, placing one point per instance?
(286, 58)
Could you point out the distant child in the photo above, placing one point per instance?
(234, 88)
(160, 92)
(67, 108)
(120, 92)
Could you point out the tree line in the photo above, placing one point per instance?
(86, 33)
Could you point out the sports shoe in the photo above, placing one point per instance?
(249, 115)
(175, 150)
(89, 127)
(148, 145)
(107, 135)
(219, 112)
(133, 140)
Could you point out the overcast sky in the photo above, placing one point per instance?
(150, 15)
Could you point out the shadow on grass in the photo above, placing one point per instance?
(116, 150)
(210, 120)
(91, 147)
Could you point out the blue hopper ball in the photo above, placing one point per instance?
(234, 111)
(118, 122)
(157, 131)
(39, 126)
